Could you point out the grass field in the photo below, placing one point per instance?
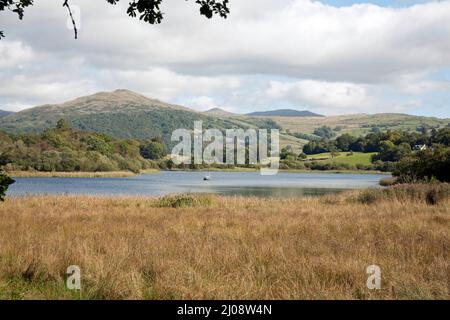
(296, 143)
(208, 247)
(344, 158)
(356, 125)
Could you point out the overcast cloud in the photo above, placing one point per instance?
(283, 53)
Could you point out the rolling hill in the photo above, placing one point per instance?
(126, 114)
(123, 114)
(284, 113)
(359, 124)
(4, 113)
(219, 113)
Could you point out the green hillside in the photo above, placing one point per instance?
(359, 124)
(122, 114)
(126, 114)
(355, 125)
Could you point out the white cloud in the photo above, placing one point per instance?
(324, 95)
(12, 54)
(269, 52)
(166, 84)
(419, 84)
(201, 103)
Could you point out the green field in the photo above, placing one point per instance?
(355, 125)
(343, 158)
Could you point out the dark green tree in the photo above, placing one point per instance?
(154, 150)
(100, 144)
(441, 136)
(425, 165)
(391, 153)
(5, 182)
(345, 141)
(62, 125)
(146, 10)
(287, 153)
(324, 132)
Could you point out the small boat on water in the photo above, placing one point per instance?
(207, 177)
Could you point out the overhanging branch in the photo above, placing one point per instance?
(66, 4)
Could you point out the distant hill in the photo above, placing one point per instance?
(123, 114)
(126, 114)
(219, 112)
(5, 113)
(284, 113)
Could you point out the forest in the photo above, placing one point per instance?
(65, 149)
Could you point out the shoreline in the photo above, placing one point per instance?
(65, 174)
(293, 171)
(127, 174)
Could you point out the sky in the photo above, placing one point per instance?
(330, 57)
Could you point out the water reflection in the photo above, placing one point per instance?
(226, 183)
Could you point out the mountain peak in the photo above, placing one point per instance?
(118, 95)
(126, 92)
(218, 112)
(284, 113)
(120, 100)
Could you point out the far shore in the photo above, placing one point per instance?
(288, 171)
(77, 174)
(125, 174)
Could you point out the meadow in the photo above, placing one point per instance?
(211, 247)
(352, 158)
(358, 124)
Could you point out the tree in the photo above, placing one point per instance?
(345, 141)
(287, 152)
(148, 10)
(99, 144)
(154, 150)
(5, 182)
(442, 136)
(425, 165)
(302, 156)
(375, 129)
(392, 153)
(62, 125)
(324, 132)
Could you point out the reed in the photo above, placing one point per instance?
(55, 174)
(214, 247)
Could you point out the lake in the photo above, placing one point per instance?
(225, 183)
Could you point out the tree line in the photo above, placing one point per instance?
(380, 142)
(423, 155)
(65, 149)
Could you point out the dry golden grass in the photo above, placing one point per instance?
(207, 247)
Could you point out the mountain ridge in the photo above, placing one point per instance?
(126, 114)
(105, 101)
(219, 112)
(284, 113)
(120, 113)
(4, 113)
